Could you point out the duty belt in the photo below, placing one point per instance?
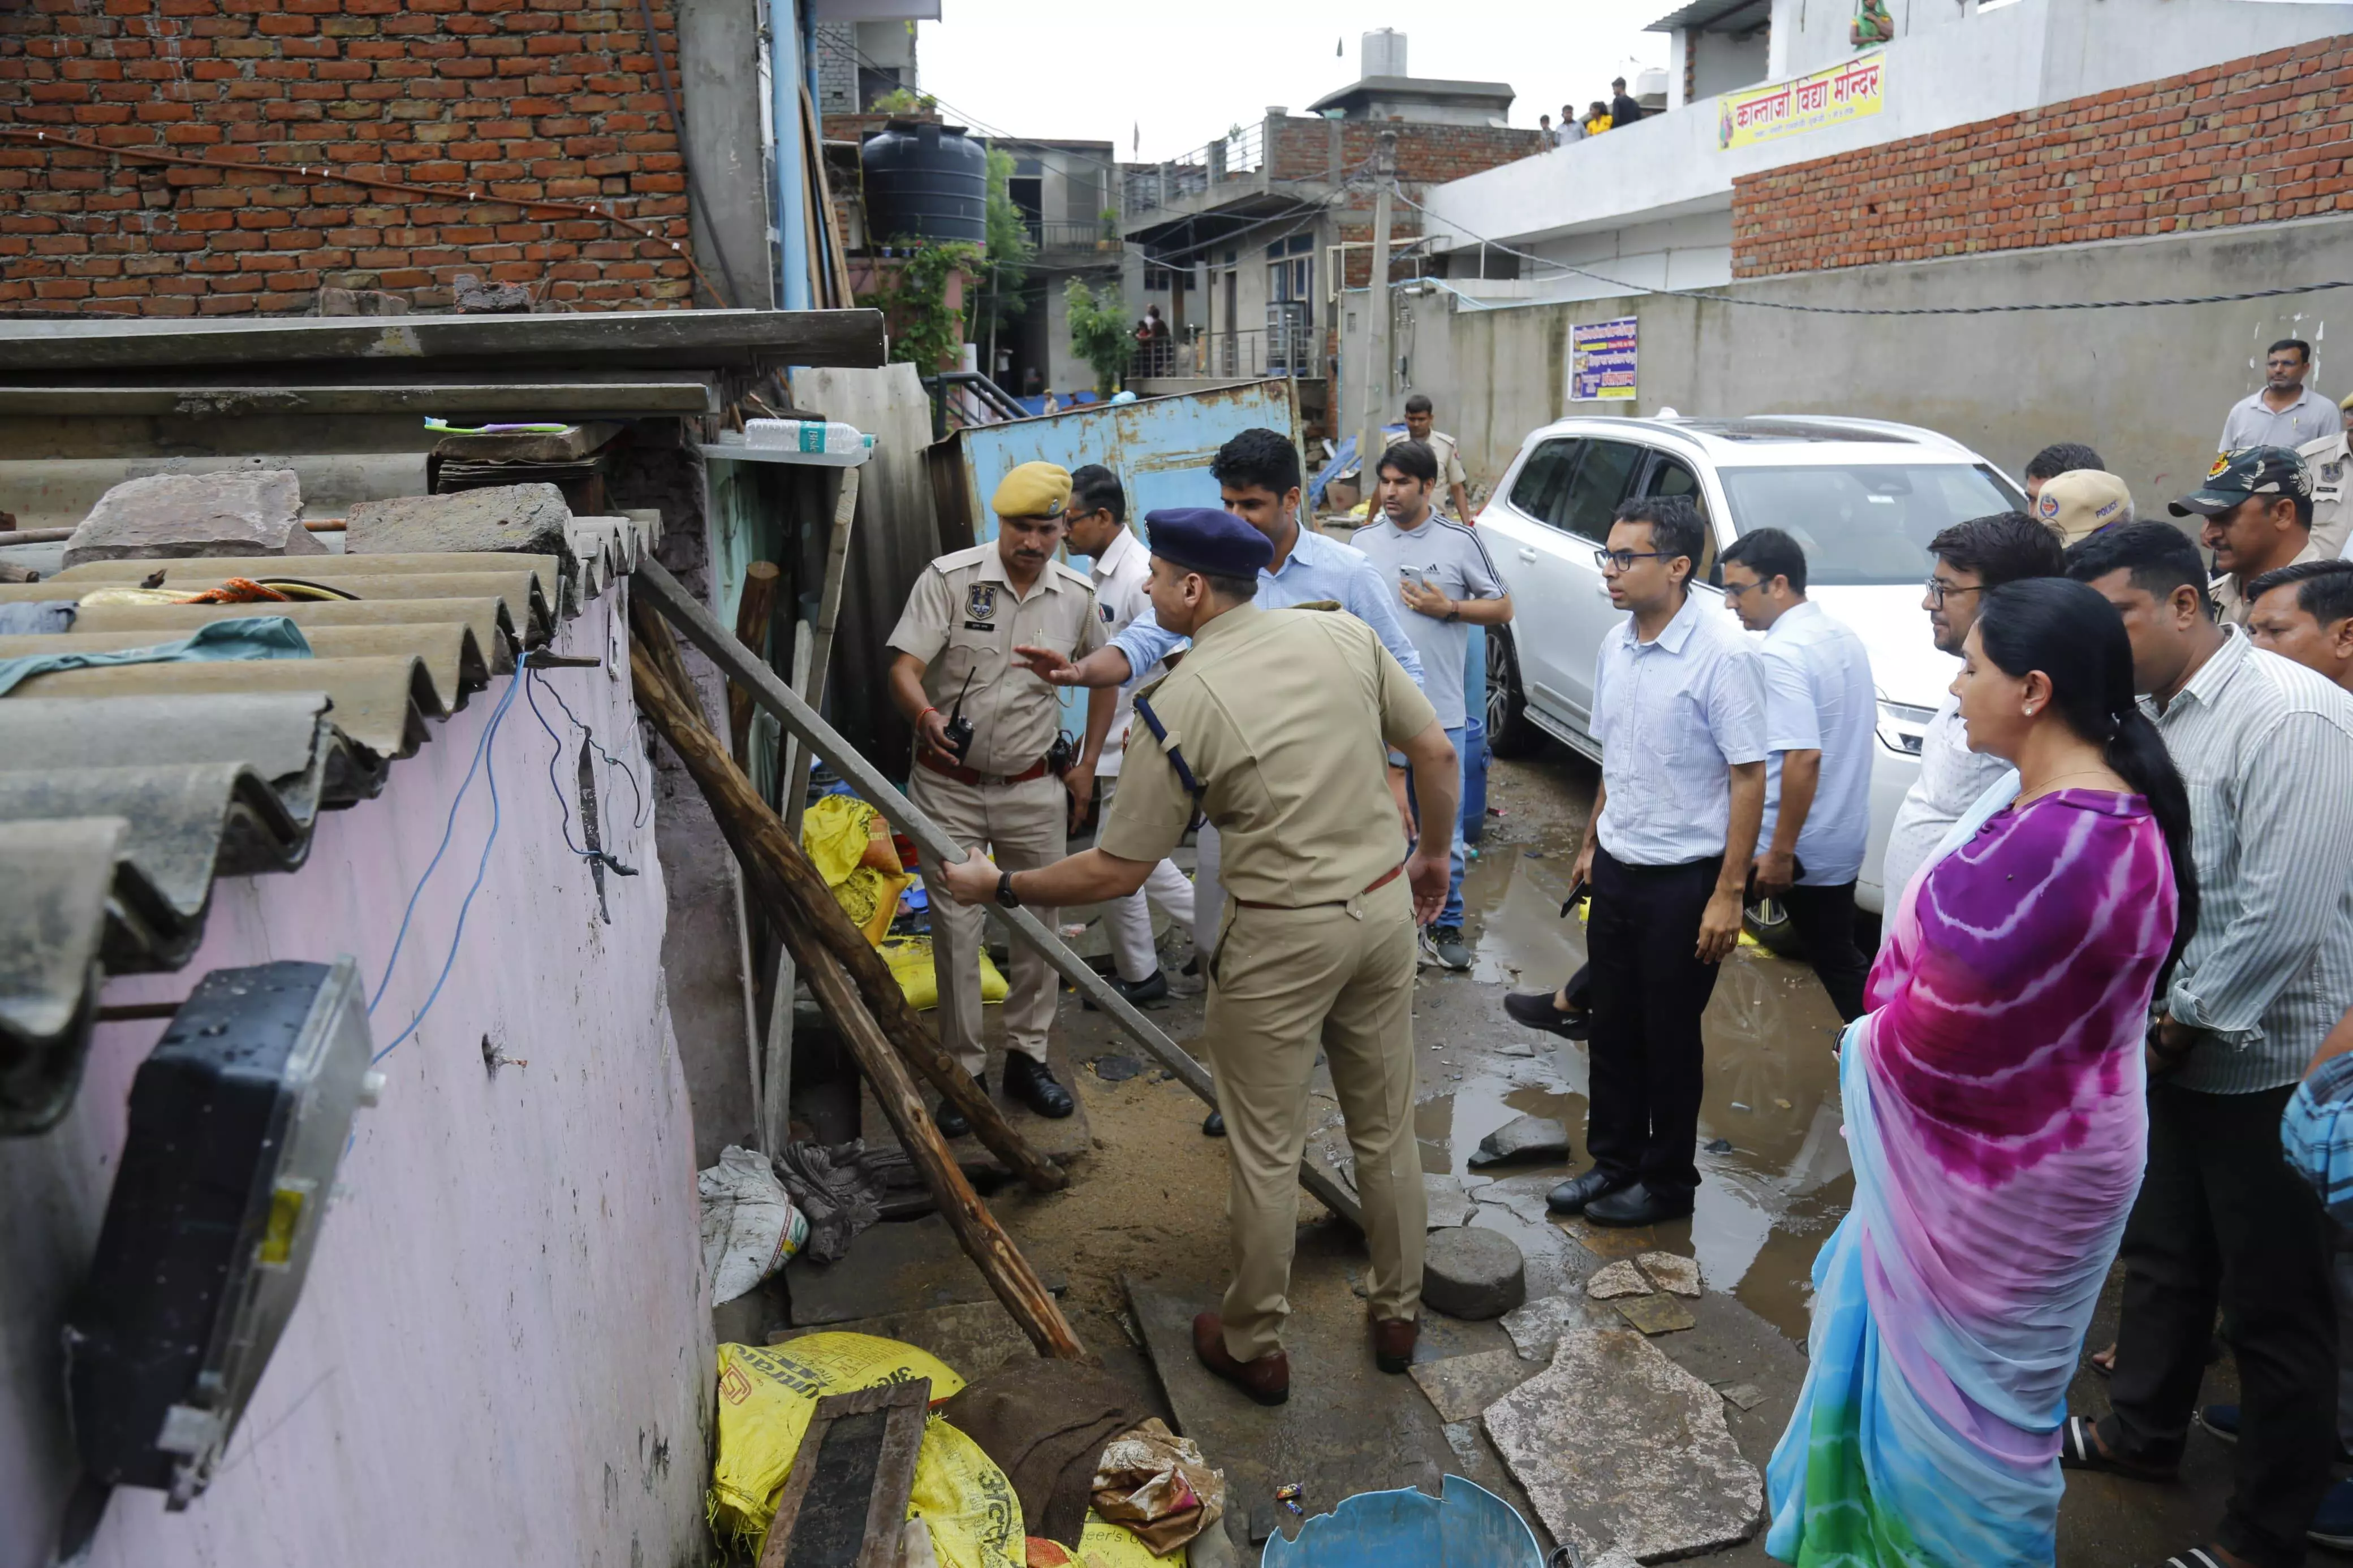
(964, 775)
(1383, 880)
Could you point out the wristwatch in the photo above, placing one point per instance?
(1453, 611)
(1005, 893)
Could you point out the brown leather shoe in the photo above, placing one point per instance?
(1393, 1341)
(1266, 1379)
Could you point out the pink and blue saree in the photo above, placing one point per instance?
(1994, 1115)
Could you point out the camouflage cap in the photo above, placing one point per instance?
(2249, 471)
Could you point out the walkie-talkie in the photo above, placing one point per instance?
(959, 728)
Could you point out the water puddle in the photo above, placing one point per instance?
(1765, 1204)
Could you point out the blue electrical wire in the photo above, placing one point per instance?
(482, 751)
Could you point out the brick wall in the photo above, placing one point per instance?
(512, 98)
(1426, 155)
(2250, 141)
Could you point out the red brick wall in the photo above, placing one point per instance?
(2250, 141)
(1426, 154)
(514, 97)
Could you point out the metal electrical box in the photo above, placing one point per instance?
(238, 1121)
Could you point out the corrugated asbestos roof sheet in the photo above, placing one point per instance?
(125, 790)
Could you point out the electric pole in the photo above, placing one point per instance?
(1376, 321)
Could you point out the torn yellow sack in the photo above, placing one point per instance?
(849, 843)
(910, 958)
(766, 1396)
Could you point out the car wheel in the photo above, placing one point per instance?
(1509, 731)
(1769, 924)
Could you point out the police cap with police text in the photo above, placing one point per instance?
(1033, 489)
(2249, 471)
(2082, 502)
(1207, 540)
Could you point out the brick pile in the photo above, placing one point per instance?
(2257, 140)
(507, 99)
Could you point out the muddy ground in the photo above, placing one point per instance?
(1146, 1201)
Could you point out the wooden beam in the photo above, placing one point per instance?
(867, 1507)
(654, 587)
(771, 860)
(696, 340)
(458, 399)
(752, 610)
(811, 683)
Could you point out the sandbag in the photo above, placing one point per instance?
(751, 1226)
(910, 962)
(767, 1396)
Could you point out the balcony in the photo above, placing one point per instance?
(1239, 156)
(1073, 243)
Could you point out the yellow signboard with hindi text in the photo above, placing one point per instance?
(1808, 103)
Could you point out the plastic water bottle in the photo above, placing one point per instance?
(827, 435)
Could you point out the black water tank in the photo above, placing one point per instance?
(925, 182)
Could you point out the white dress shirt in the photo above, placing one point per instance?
(2266, 747)
(1819, 697)
(1122, 574)
(1950, 780)
(1673, 714)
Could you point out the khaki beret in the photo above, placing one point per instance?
(1033, 489)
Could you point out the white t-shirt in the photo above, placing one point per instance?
(1951, 778)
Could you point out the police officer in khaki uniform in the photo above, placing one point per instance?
(954, 646)
(2330, 458)
(1278, 726)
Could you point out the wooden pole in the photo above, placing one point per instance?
(991, 1250)
(753, 607)
(771, 860)
(810, 683)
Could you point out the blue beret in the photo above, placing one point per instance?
(1206, 539)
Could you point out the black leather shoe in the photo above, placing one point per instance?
(952, 1122)
(1535, 1009)
(1153, 988)
(1572, 1196)
(1214, 1124)
(1031, 1082)
(1637, 1205)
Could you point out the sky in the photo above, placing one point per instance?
(1107, 71)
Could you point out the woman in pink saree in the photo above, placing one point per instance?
(1994, 1113)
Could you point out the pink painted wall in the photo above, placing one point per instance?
(503, 1352)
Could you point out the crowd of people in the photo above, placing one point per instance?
(1603, 114)
(2110, 1016)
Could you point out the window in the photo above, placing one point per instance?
(1601, 482)
(1544, 480)
(1671, 476)
(1867, 523)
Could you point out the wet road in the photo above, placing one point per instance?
(1774, 1166)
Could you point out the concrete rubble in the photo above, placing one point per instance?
(1521, 1138)
(1655, 1314)
(1612, 1280)
(1672, 1272)
(1620, 1449)
(1460, 1387)
(240, 512)
(1450, 1205)
(526, 519)
(1535, 1328)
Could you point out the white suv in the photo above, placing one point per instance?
(1863, 496)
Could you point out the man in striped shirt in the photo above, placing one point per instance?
(2266, 747)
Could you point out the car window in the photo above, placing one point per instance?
(1601, 482)
(1866, 523)
(1542, 483)
(1674, 477)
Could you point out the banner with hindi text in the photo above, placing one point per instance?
(1828, 97)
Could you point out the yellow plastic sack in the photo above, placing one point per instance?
(911, 960)
(1107, 1545)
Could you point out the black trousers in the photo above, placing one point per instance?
(1649, 990)
(1824, 921)
(2221, 1220)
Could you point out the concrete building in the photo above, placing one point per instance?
(1247, 239)
(1650, 205)
(1067, 192)
(860, 61)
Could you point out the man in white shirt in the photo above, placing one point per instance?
(1820, 715)
(1122, 567)
(2285, 412)
(1970, 557)
(1446, 585)
(1679, 708)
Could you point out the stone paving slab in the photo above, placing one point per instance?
(1535, 1328)
(1655, 1314)
(1612, 1280)
(1672, 1272)
(973, 1338)
(1621, 1449)
(1460, 1387)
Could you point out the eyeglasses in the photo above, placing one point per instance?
(1624, 559)
(1733, 590)
(1938, 588)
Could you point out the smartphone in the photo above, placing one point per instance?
(1578, 893)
